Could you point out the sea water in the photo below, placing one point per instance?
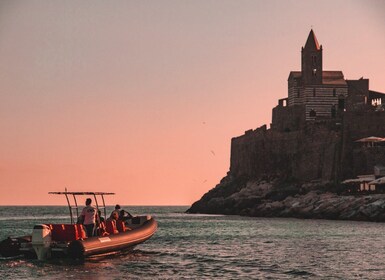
(214, 247)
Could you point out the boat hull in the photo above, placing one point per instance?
(80, 249)
(83, 248)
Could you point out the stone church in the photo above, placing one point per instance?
(318, 95)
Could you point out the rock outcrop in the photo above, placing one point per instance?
(239, 196)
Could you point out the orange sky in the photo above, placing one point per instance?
(143, 97)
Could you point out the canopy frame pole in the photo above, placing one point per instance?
(104, 206)
(97, 209)
(94, 194)
(76, 206)
(69, 206)
(96, 202)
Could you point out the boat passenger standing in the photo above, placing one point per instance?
(89, 217)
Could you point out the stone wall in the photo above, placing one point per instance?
(320, 150)
(306, 154)
(356, 158)
(288, 118)
(359, 124)
(358, 94)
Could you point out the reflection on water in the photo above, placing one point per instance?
(223, 247)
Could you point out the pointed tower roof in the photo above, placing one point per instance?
(311, 42)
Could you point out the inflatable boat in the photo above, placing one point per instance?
(49, 241)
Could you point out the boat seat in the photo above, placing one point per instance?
(81, 231)
(120, 225)
(67, 232)
(101, 229)
(111, 227)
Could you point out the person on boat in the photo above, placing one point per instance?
(116, 210)
(100, 217)
(124, 215)
(114, 216)
(100, 225)
(89, 216)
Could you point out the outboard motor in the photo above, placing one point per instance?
(41, 241)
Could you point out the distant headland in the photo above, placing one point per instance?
(322, 157)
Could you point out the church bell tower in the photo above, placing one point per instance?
(311, 63)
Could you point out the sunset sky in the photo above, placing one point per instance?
(143, 97)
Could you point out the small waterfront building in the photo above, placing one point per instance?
(379, 184)
(360, 184)
(367, 183)
(371, 141)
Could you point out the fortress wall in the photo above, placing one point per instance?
(365, 158)
(304, 155)
(316, 151)
(357, 159)
(364, 123)
(358, 94)
(288, 118)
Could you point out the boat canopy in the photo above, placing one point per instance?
(74, 205)
(84, 193)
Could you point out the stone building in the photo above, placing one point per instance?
(316, 95)
(314, 131)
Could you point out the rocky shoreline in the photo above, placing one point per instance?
(259, 198)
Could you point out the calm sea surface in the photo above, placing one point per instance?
(221, 247)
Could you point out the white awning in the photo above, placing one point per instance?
(378, 181)
(359, 180)
(371, 139)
